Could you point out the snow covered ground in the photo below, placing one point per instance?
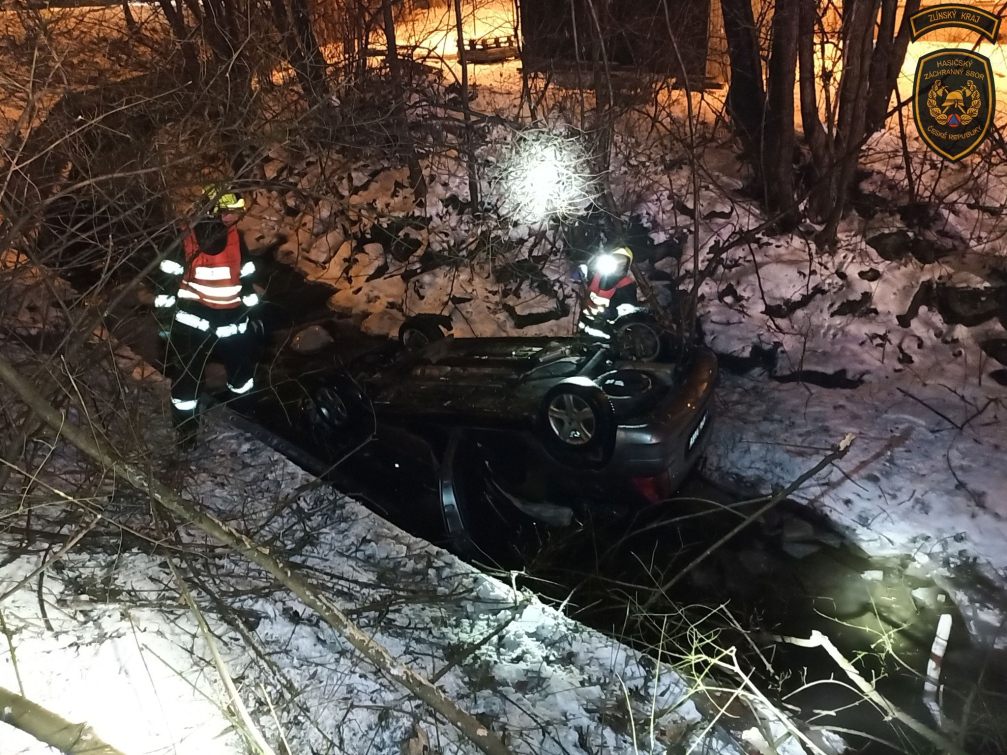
(106, 638)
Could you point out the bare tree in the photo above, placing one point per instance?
(777, 171)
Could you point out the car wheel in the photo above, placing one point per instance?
(577, 423)
(640, 340)
(330, 409)
(418, 332)
(334, 410)
(631, 391)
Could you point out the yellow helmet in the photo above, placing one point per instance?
(223, 200)
(623, 251)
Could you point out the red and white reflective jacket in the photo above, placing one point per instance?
(213, 280)
(601, 298)
(209, 291)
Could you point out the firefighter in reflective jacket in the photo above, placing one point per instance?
(610, 287)
(210, 295)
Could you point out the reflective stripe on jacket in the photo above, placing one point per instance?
(213, 280)
(602, 297)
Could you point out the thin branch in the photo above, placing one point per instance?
(819, 640)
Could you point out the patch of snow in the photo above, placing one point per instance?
(126, 655)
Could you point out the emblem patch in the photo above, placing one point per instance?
(953, 101)
(954, 15)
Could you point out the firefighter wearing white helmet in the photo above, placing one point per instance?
(610, 285)
(209, 294)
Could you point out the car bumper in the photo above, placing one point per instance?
(675, 434)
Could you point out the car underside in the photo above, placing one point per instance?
(547, 429)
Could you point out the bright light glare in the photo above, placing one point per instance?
(542, 180)
(606, 264)
(544, 177)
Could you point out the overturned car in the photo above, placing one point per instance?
(550, 428)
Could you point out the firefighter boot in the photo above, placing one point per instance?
(186, 429)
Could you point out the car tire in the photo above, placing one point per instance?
(577, 425)
(638, 337)
(417, 332)
(631, 391)
(334, 411)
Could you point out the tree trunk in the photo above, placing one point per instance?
(778, 141)
(470, 157)
(885, 73)
(391, 46)
(604, 97)
(746, 101)
(131, 26)
(857, 48)
(818, 142)
(417, 181)
(215, 33)
(314, 61)
(310, 72)
(190, 54)
(47, 727)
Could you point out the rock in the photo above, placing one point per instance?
(795, 530)
(292, 246)
(800, 550)
(995, 348)
(311, 339)
(999, 376)
(928, 251)
(867, 204)
(786, 309)
(855, 307)
(325, 248)
(919, 214)
(891, 246)
(958, 305)
(870, 274)
(961, 305)
(896, 245)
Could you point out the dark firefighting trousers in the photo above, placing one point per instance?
(189, 351)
